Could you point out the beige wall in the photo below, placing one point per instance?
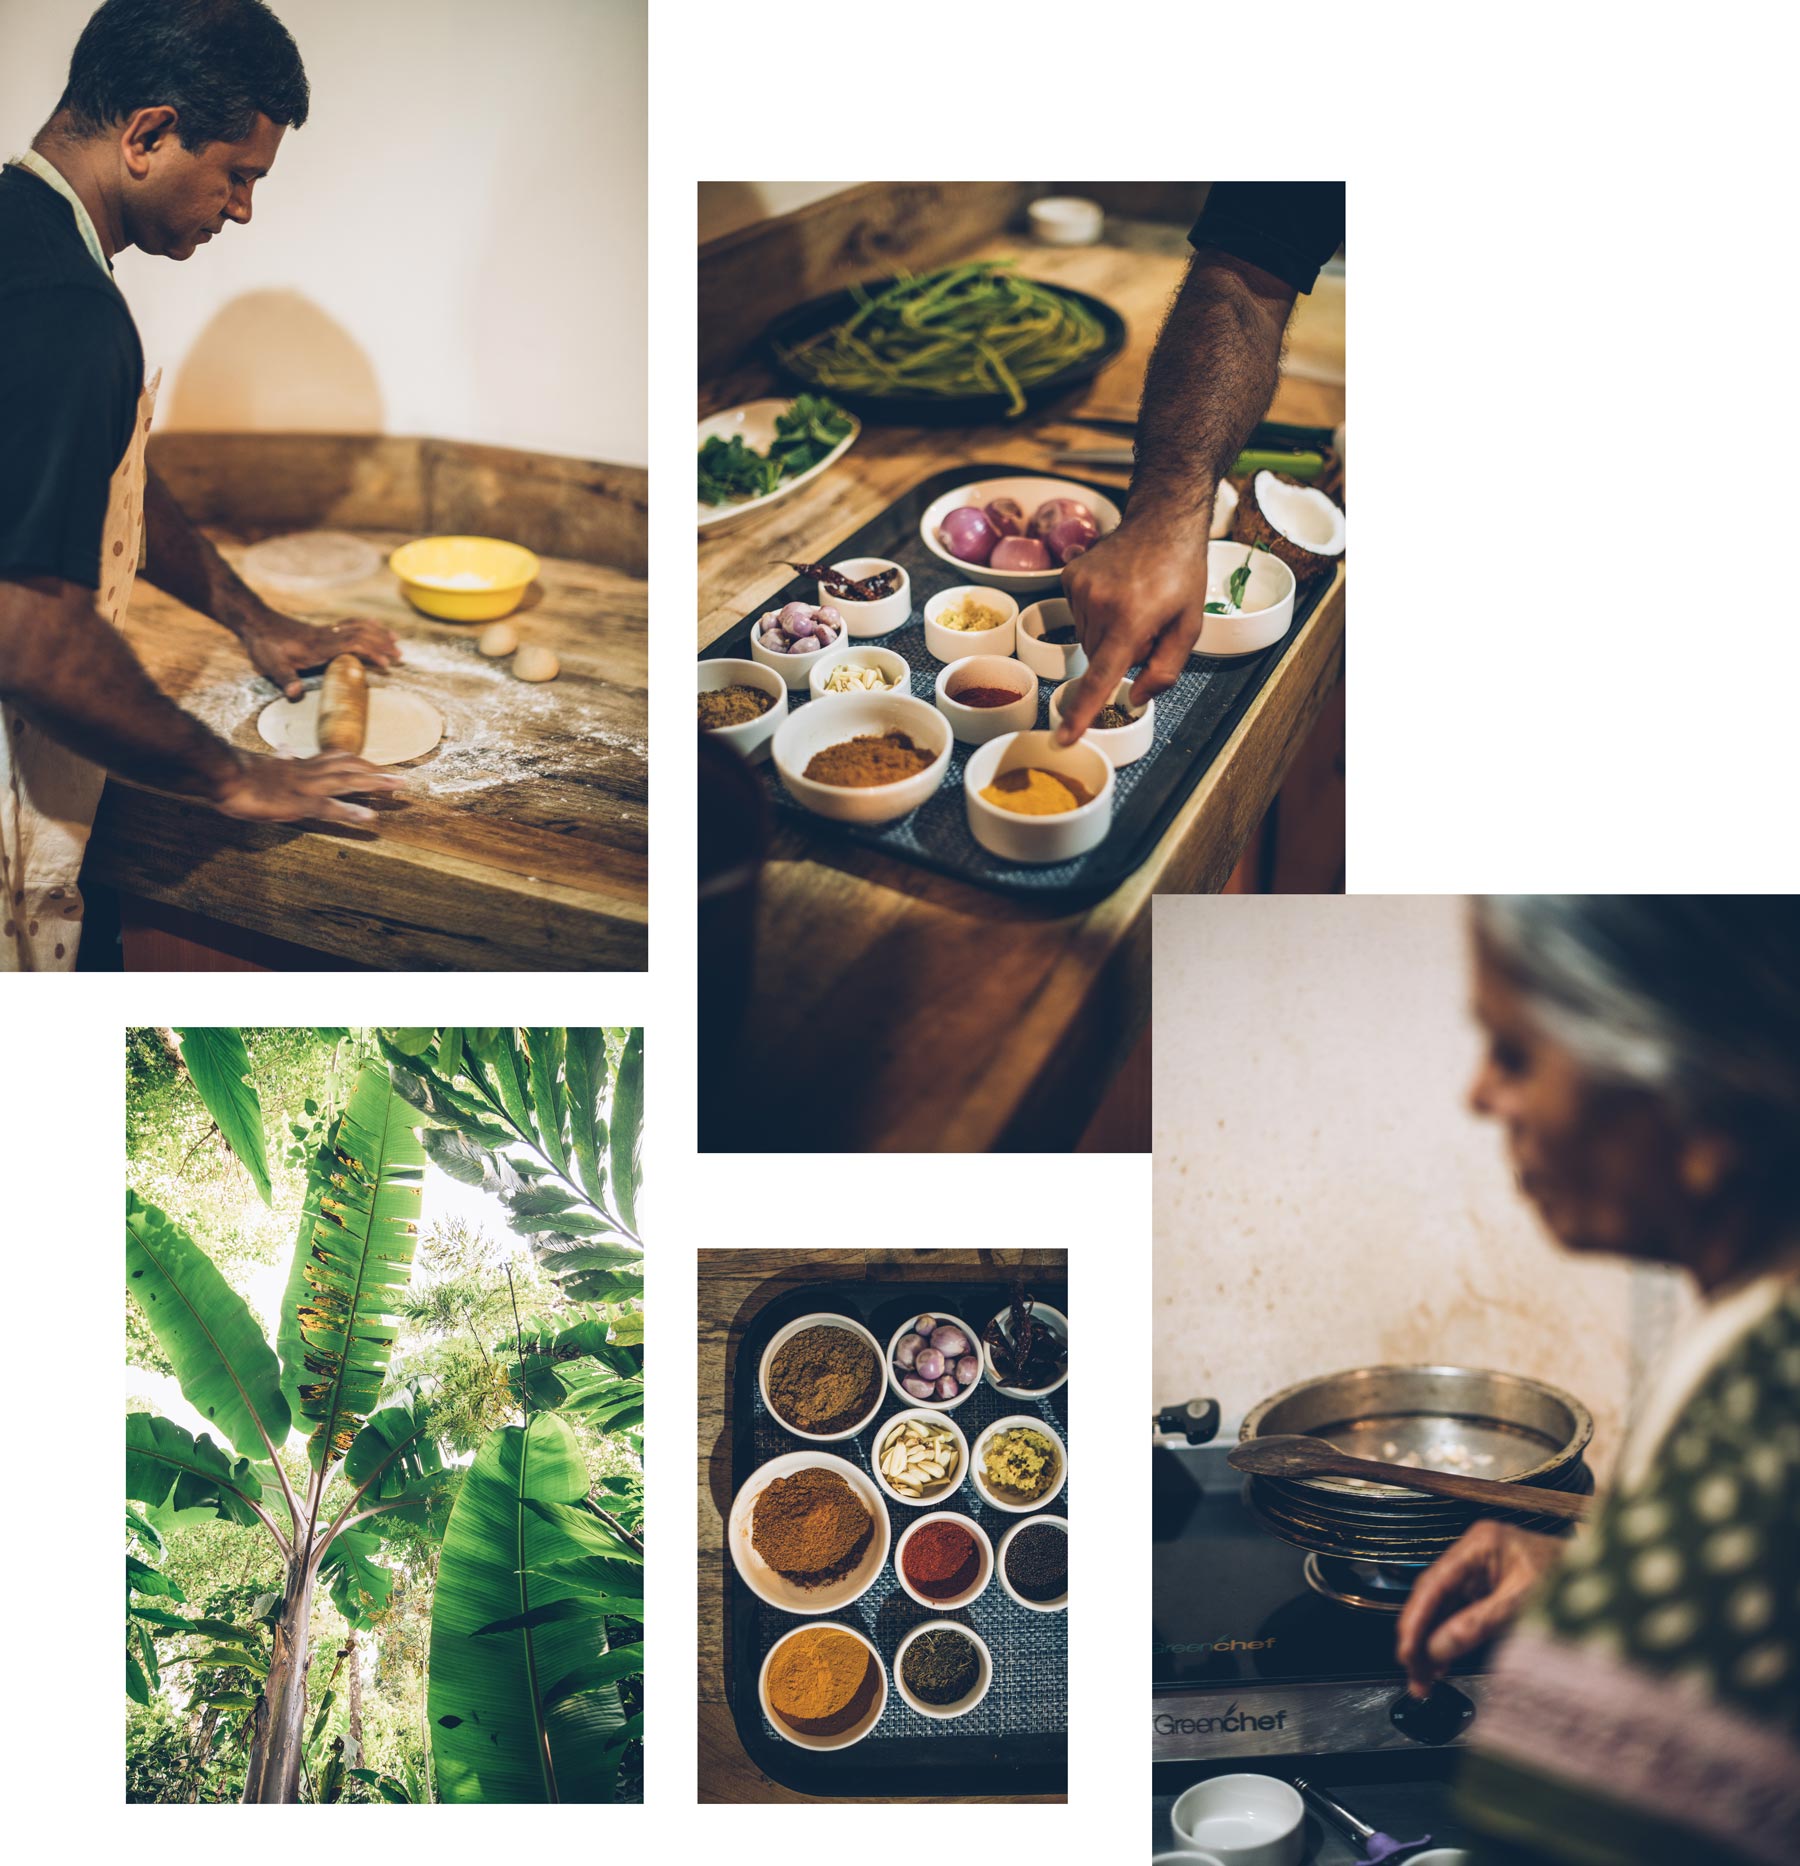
(455, 244)
(1322, 1197)
(725, 206)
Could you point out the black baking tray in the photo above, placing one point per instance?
(906, 1755)
(819, 314)
(1194, 721)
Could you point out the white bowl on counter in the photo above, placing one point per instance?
(983, 1679)
(894, 1374)
(885, 661)
(984, 1561)
(957, 644)
(804, 1739)
(1050, 659)
(751, 739)
(1243, 1820)
(1031, 492)
(795, 669)
(885, 614)
(1037, 838)
(1124, 745)
(975, 725)
(769, 1584)
(1015, 1506)
(1039, 1310)
(939, 1421)
(853, 716)
(1057, 1525)
(1268, 605)
(782, 1336)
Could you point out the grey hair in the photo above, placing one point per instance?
(1694, 998)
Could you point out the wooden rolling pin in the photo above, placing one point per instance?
(343, 706)
(1291, 1455)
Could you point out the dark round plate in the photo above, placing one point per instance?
(808, 320)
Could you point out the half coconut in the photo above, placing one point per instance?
(1298, 523)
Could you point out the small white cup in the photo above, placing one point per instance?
(751, 739)
(885, 614)
(975, 725)
(1245, 1820)
(955, 644)
(1049, 659)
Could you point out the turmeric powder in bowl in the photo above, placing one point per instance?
(1027, 791)
(821, 1681)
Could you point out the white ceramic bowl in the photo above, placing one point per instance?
(955, 644)
(975, 725)
(1031, 492)
(1037, 838)
(935, 1493)
(1243, 1820)
(853, 716)
(795, 669)
(1441, 1856)
(1059, 1322)
(984, 1550)
(768, 1585)
(751, 739)
(880, 617)
(1059, 1526)
(1124, 745)
(1268, 599)
(784, 1335)
(962, 1706)
(893, 1372)
(1047, 658)
(857, 1731)
(1066, 219)
(1185, 1859)
(979, 1450)
(890, 665)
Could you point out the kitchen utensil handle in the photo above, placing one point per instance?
(1339, 1816)
(1197, 1421)
(1522, 1499)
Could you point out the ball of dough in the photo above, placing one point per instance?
(535, 663)
(497, 638)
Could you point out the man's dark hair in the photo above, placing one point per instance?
(218, 62)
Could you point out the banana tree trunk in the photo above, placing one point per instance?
(275, 1753)
(353, 1747)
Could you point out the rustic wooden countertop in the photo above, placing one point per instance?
(521, 841)
(931, 1014)
(734, 1286)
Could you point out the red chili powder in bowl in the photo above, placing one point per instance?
(985, 696)
(942, 1560)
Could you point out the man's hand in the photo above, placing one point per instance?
(293, 790)
(1139, 598)
(1467, 1596)
(283, 649)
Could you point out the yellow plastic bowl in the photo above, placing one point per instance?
(464, 579)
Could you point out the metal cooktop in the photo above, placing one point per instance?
(1249, 1659)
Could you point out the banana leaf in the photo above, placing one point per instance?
(359, 1584)
(227, 1370)
(628, 1129)
(397, 1457)
(165, 1463)
(549, 1095)
(493, 1736)
(220, 1068)
(352, 1261)
(584, 1070)
(141, 1578)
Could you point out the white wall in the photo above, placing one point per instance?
(1323, 1198)
(454, 245)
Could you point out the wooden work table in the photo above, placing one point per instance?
(734, 1286)
(930, 1014)
(520, 842)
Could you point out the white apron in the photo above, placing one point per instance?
(48, 795)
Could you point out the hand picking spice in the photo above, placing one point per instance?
(811, 1528)
(732, 706)
(1037, 1562)
(1113, 718)
(1027, 791)
(822, 1682)
(823, 1379)
(861, 763)
(941, 1667)
(941, 1560)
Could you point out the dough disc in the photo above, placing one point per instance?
(401, 725)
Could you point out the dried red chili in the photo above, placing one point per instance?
(942, 1560)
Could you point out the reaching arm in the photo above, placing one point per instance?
(76, 678)
(184, 561)
(1139, 596)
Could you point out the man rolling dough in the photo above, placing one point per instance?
(173, 112)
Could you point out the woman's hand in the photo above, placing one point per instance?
(1469, 1595)
(283, 649)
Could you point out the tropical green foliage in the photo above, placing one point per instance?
(337, 1451)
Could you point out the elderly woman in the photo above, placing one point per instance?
(1643, 1057)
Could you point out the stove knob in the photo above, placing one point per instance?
(1197, 1421)
(1436, 1720)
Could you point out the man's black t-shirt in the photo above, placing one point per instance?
(71, 368)
(1289, 228)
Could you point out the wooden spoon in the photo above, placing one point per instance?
(1286, 1454)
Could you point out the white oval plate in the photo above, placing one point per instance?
(755, 421)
